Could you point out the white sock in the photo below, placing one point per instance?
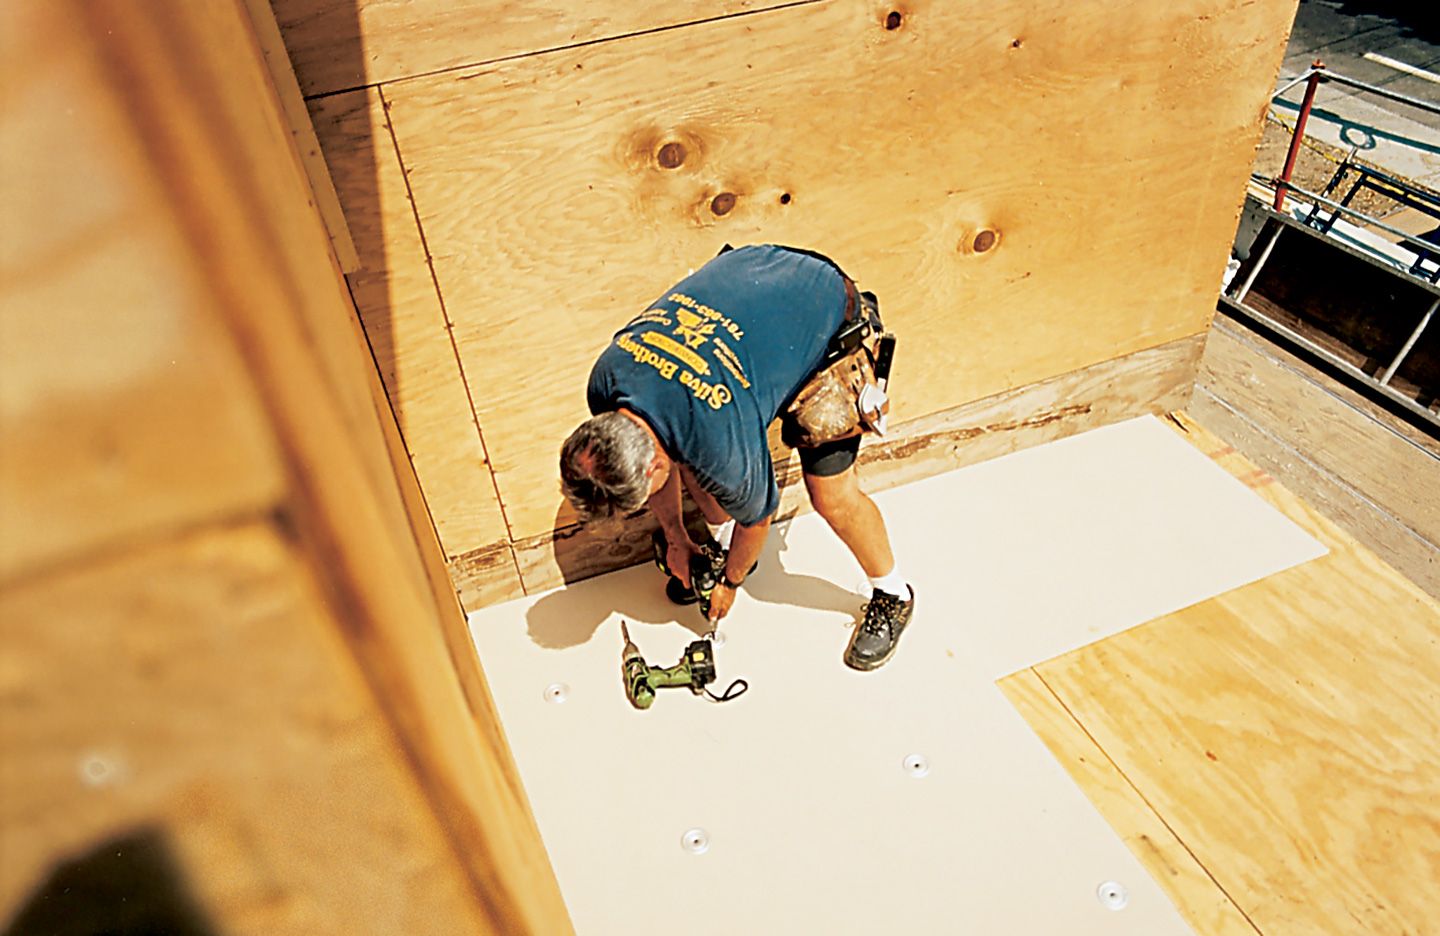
(893, 584)
(722, 532)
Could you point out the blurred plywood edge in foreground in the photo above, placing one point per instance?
(201, 685)
(338, 45)
(277, 60)
(300, 546)
(1157, 380)
(406, 326)
(107, 369)
(1362, 467)
(551, 219)
(1282, 732)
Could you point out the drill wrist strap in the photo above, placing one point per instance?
(733, 586)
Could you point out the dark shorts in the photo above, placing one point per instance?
(822, 461)
(830, 459)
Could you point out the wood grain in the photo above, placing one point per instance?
(551, 221)
(1188, 885)
(1157, 380)
(198, 97)
(1285, 731)
(405, 324)
(1376, 529)
(201, 686)
(125, 412)
(338, 45)
(1397, 474)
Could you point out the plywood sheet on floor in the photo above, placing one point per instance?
(800, 785)
(1286, 732)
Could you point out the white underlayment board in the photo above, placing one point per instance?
(814, 825)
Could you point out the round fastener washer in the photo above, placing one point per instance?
(1112, 895)
(695, 841)
(557, 692)
(917, 765)
(98, 770)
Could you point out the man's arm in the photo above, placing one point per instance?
(665, 505)
(744, 551)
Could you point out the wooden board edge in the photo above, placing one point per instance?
(1196, 895)
(1404, 549)
(198, 127)
(1153, 381)
(302, 131)
(1296, 509)
(486, 576)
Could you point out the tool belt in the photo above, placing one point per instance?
(846, 396)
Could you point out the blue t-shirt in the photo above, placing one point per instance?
(710, 364)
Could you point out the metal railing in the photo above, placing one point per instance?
(1426, 251)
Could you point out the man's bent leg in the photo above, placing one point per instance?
(858, 522)
(855, 519)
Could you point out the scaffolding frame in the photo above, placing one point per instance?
(1278, 220)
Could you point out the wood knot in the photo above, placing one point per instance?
(722, 203)
(984, 240)
(671, 155)
(893, 20)
(785, 198)
(1016, 43)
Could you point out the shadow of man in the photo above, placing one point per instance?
(571, 615)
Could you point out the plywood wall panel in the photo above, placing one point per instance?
(342, 44)
(201, 687)
(405, 324)
(1106, 148)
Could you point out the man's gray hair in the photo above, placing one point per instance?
(604, 467)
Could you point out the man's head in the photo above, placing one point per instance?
(610, 465)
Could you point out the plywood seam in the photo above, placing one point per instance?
(449, 327)
(391, 414)
(1143, 798)
(559, 48)
(1299, 455)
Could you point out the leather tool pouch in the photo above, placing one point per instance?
(827, 409)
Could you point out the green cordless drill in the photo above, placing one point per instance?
(695, 671)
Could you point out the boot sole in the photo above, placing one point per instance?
(864, 667)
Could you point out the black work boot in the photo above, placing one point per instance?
(875, 640)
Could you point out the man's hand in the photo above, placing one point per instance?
(720, 601)
(677, 556)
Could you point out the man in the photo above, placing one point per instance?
(683, 397)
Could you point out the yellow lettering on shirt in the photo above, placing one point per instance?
(676, 350)
(666, 368)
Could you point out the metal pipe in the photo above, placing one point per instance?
(1330, 357)
(1255, 270)
(1410, 342)
(1424, 105)
(1409, 239)
(1292, 83)
(1296, 138)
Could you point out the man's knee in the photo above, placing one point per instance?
(835, 495)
